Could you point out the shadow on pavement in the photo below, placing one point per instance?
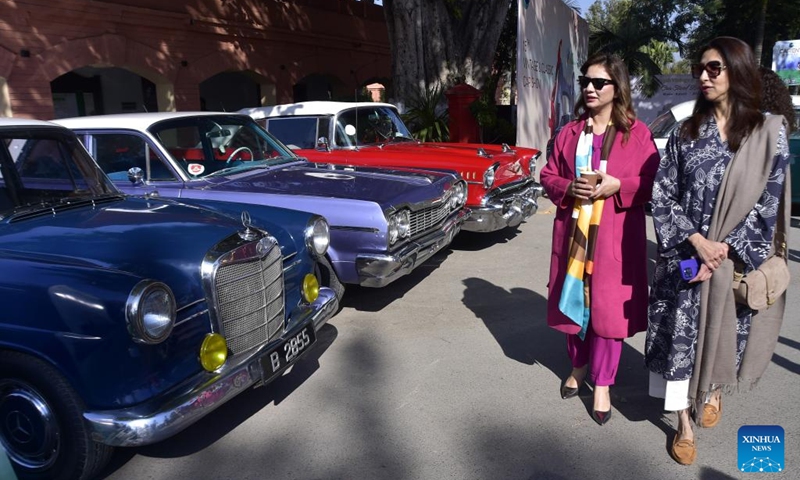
(236, 411)
(474, 241)
(366, 299)
(517, 320)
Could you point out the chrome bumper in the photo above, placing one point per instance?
(379, 270)
(179, 408)
(505, 208)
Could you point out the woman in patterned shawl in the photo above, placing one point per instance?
(686, 191)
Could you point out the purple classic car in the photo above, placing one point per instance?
(384, 223)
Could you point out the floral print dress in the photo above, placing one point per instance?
(684, 195)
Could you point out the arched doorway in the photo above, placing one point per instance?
(97, 90)
(322, 87)
(233, 90)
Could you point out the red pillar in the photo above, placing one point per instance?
(463, 126)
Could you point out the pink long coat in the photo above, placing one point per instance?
(619, 288)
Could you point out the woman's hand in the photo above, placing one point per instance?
(703, 274)
(579, 188)
(607, 186)
(712, 254)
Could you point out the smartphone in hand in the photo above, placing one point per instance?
(689, 268)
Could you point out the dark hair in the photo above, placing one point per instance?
(622, 113)
(775, 96)
(744, 93)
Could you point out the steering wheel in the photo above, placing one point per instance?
(240, 149)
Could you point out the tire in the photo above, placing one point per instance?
(41, 423)
(328, 278)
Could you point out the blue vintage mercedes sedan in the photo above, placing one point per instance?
(384, 222)
(127, 319)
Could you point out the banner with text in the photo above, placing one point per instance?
(786, 61)
(552, 43)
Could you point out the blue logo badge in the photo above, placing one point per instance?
(761, 448)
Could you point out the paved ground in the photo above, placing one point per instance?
(451, 373)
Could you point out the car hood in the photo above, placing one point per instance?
(385, 187)
(119, 235)
(469, 160)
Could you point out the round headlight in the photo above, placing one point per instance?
(462, 194)
(394, 232)
(404, 223)
(318, 236)
(488, 177)
(213, 351)
(150, 312)
(310, 288)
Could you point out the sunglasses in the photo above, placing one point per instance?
(713, 68)
(597, 83)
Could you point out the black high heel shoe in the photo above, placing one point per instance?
(601, 417)
(569, 392)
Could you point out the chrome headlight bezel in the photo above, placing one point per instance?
(398, 226)
(317, 236)
(459, 197)
(404, 223)
(150, 312)
(392, 231)
(489, 175)
(532, 164)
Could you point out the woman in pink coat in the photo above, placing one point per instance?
(598, 288)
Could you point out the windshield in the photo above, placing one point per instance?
(369, 125)
(213, 145)
(45, 167)
(663, 125)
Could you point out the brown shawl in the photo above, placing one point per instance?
(715, 362)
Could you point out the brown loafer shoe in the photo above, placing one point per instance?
(711, 414)
(683, 451)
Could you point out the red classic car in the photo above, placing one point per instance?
(502, 188)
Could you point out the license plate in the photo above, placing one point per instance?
(287, 352)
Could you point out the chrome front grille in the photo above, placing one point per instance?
(427, 218)
(249, 294)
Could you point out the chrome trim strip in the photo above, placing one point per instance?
(202, 312)
(356, 229)
(191, 304)
(286, 268)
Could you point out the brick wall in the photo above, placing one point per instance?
(180, 44)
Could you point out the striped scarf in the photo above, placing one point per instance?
(575, 299)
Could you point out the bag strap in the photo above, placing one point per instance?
(780, 240)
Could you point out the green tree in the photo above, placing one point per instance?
(760, 23)
(643, 33)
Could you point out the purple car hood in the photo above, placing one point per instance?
(382, 186)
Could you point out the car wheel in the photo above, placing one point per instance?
(41, 422)
(327, 277)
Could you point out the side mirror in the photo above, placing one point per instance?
(323, 144)
(136, 175)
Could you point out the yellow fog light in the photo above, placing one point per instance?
(213, 351)
(310, 288)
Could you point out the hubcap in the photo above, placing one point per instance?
(28, 428)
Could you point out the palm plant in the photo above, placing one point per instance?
(426, 115)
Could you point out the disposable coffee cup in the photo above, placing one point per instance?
(592, 177)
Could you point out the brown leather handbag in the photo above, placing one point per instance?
(760, 288)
